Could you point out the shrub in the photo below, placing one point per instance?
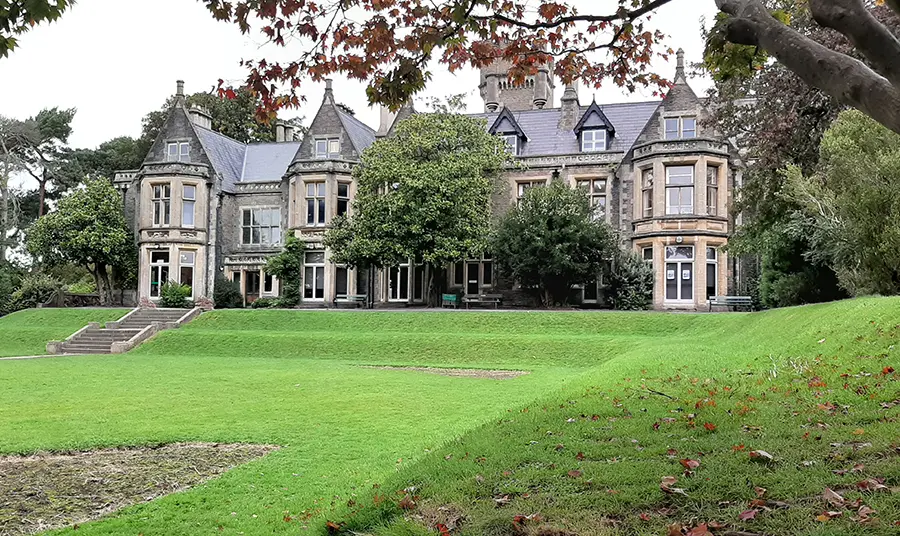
(264, 303)
(287, 266)
(84, 286)
(227, 294)
(34, 290)
(9, 280)
(174, 294)
(631, 283)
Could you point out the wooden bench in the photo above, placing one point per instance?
(730, 301)
(358, 300)
(493, 299)
(451, 300)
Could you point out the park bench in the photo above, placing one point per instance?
(449, 300)
(490, 299)
(730, 301)
(357, 300)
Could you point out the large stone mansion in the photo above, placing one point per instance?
(204, 206)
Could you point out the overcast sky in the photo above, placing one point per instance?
(116, 60)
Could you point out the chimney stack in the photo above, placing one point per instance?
(279, 132)
(569, 114)
(179, 90)
(329, 92)
(492, 93)
(541, 88)
(200, 116)
(679, 66)
(288, 132)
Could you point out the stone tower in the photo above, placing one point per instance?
(498, 91)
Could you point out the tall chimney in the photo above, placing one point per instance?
(541, 88)
(492, 93)
(179, 90)
(329, 92)
(568, 116)
(288, 132)
(200, 117)
(279, 132)
(679, 67)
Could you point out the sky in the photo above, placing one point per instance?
(116, 60)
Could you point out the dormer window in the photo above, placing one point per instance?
(178, 151)
(593, 140)
(328, 148)
(512, 143)
(681, 128)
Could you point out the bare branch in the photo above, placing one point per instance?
(618, 16)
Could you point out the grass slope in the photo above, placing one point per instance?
(813, 386)
(27, 332)
(353, 437)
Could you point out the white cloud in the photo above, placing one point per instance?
(116, 60)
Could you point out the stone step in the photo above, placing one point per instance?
(79, 349)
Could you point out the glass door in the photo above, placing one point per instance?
(679, 273)
(398, 283)
(314, 276)
(251, 286)
(472, 269)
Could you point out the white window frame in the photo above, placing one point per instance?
(394, 289)
(679, 268)
(682, 209)
(327, 148)
(178, 151)
(314, 191)
(714, 263)
(680, 132)
(337, 278)
(272, 289)
(593, 140)
(712, 190)
(156, 267)
(162, 204)
(309, 281)
(596, 191)
(512, 143)
(274, 227)
(647, 258)
(188, 202)
(522, 187)
(182, 265)
(647, 192)
(342, 198)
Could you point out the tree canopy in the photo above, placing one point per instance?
(17, 18)
(88, 229)
(553, 240)
(423, 193)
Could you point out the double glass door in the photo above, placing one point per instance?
(679, 273)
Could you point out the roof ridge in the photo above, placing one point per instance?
(354, 118)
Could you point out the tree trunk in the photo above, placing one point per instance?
(4, 201)
(42, 191)
(845, 78)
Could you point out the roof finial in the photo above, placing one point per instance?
(679, 66)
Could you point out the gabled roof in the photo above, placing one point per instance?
(361, 135)
(546, 139)
(268, 161)
(237, 162)
(506, 123)
(225, 154)
(595, 118)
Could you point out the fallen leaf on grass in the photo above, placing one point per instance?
(334, 528)
(833, 498)
(501, 500)
(863, 514)
(674, 530)
(690, 464)
(700, 530)
(761, 456)
(760, 491)
(871, 484)
(407, 503)
(579, 456)
(666, 486)
(710, 426)
(645, 516)
(747, 515)
(574, 473)
(859, 431)
(827, 516)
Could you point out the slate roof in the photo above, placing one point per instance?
(237, 162)
(545, 138)
(361, 135)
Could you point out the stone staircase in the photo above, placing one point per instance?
(124, 334)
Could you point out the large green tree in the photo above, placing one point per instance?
(850, 208)
(553, 240)
(88, 229)
(423, 193)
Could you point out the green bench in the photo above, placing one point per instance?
(451, 300)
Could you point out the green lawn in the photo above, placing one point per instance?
(27, 332)
(354, 437)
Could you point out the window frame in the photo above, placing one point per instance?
(680, 262)
(342, 199)
(319, 203)
(714, 263)
(593, 140)
(679, 132)
(275, 224)
(182, 265)
(513, 147)
(523, 186)
(182, 151)
(161, 206)
(712, 190)
(327, 152)
(156, 268)
(647, 178)
(188, 201)
(595, 196)
(681, 190)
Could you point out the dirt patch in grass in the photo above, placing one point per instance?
(462, 373)
(52, 490)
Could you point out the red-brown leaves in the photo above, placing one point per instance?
(334, 528)
(761, 456)
(833, 498)
(828, 515)
(710, 426)
(747, 515)
(407, 502)
(574, 473)
(666, 486)
(579, 456)
(872, 484)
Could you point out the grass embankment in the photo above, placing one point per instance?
(815, 387)
(26, 333)
(582, 441)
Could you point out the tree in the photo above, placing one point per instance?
(17, 18)
(13, 134)
(849, 209)
(46, 157)
(287, 266)
(423, 193)
(553, 240)
(393, 43)
(88, 229)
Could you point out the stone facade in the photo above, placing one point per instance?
(204, 206)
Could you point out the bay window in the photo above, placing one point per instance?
(647, 192)
(315, 203)
(712, 190)
(162, 204)
(679, 190)
(188, 200)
